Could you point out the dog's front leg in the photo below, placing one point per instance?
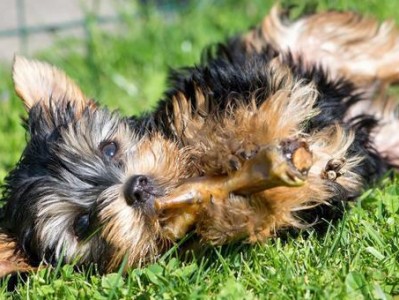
(283, 164)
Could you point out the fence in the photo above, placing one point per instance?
(28, 25)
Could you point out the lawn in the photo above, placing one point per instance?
(357, 258)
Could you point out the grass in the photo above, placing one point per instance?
(358, 258)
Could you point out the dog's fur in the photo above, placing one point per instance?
(263, 105)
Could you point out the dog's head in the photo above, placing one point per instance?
(85, 185)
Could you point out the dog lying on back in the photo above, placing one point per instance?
(288, 117)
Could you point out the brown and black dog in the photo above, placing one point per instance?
(288, 117)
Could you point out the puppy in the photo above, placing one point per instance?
(237, 149)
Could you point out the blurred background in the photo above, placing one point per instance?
(30, 25)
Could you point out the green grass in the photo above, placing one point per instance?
(358, 258)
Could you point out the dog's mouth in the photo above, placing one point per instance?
(285, 164)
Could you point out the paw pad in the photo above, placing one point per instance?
(334, 169)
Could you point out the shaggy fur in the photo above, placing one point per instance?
(240, 146)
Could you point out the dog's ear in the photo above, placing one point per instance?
(40, 83)
(12, 258)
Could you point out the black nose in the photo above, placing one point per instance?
(138, 189)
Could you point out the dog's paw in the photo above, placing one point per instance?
(297, 152)
(334, 169)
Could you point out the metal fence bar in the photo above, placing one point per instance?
(23, 31)
(21, 19)
(55, 27)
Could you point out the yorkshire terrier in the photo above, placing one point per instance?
(285, 118)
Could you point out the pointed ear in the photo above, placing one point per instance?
(38, 82)
(12, 259)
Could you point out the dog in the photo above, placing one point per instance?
(274, 130)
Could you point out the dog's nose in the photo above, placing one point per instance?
(137, 189)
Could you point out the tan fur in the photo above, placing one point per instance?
(217, 138)
(36, 82)
(261, 215)
(345, 43)
(12, 259)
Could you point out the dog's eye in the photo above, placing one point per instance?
(81, 225)
(109, 149)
